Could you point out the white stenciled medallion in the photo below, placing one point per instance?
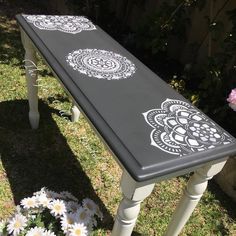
(180, 129)
(67, 24)
(101, 64)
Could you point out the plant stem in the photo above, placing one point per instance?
(173, 14)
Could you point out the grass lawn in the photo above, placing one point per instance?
(69, 156)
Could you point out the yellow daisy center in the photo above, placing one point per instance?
(78, 232)
(37, 234)
(17, 225)
(57, 207)
(30, 203)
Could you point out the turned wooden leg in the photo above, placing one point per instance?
(133, 194)
(75, 113)
(31, 79)
(195, 188)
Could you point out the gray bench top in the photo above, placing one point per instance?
(152, 130)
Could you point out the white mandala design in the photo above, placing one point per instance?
(101, 64)
(67, 24)
(180, 129)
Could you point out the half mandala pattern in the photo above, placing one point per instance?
(180, 129)
(101, 64)
(67, 24)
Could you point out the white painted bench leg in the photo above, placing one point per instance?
(195, 188)
(31, 80)
(133, 194)
(75, 113)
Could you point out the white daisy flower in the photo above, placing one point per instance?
(68, 195)
(90, 206)
(83, 216)
(29, 202)
(36, 231)
(49, 233)
(78, 230)
(41, 191)
(57, 207)
(67, 220)
(72, 206)
(44, 200)
(16, 224)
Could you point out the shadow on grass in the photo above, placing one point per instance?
(36, 158)
(10, 43)
(226, 202)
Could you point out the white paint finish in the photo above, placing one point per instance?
(101, 64)
(66, 24)
(133, 194)
(31, 80)
(75, 113)
(180, 129)
(195, 188)
(135, 191)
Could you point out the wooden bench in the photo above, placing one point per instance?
(152, 131)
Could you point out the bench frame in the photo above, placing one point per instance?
(133, 192)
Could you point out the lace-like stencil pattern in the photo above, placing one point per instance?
(101, 64)
(180, 129)
(66, 24)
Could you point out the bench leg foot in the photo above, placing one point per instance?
(31, 79)
(133, 194)
(195, 188)
(75, 113)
